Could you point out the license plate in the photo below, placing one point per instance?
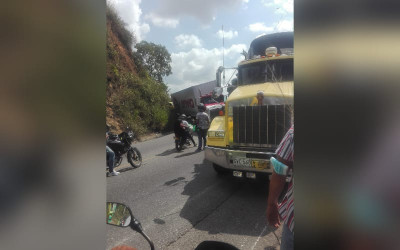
(241, 162)
(260, 164)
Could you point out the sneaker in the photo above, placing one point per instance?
(198, 149)
(114, 173)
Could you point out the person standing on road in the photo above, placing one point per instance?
(285, 210)
(203, 123)
(110, 157)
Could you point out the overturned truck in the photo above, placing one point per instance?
(187, 100)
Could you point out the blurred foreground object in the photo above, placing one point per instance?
(348, 125)
(52, 107)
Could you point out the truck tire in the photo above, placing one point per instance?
(220, 170)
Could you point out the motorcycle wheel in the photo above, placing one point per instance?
(134, 157)
(178, 145)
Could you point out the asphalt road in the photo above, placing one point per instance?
(181, 202)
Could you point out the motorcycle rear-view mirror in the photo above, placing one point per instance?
(118, 214)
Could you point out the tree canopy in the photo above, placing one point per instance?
(155, 59)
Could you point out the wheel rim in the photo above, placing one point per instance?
(135, 158)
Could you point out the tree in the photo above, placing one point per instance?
(155, 59)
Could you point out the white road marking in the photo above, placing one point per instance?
(262, 232)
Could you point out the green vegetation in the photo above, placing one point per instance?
(155, 59)
(136, 95)
(141, 103)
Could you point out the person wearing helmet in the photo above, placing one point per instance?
(187, 128)
(203, 123)
(179, 129)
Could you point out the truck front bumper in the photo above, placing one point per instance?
(240, 160)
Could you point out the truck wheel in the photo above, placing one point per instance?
(220, 170)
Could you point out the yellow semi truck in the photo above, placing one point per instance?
(258, 112)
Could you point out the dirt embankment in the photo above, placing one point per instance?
(119, 61)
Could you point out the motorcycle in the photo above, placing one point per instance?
(120, 215)
(121, 145)
(180, 141)
(185, 138)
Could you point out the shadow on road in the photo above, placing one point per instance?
(121, 169)
(174, 151)
(168, 152)
(187, 154)
(175, 181)
(225, 204)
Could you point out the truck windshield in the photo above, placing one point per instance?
(266, 71)
(207, 100)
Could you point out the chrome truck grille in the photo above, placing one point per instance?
(260, 126)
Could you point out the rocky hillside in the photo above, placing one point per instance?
(132, 97)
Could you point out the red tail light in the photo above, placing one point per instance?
(221, 113)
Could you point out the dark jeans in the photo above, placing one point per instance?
(287, 238)
(110, 159)
(189, 136)
(202, 133)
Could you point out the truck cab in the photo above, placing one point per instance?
(258, 112)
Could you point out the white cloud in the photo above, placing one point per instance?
(162, 21)
(282, 26)
(227, 34)
(130, 12)
(281, 6)
(200, 65)
(203, 10)
(260, 27)
(285, 25)
(187, 41)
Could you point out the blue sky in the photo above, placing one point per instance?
(191, 31)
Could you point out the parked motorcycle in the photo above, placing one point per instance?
(121, 145)
(120, 215)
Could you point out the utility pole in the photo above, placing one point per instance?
(223, 54)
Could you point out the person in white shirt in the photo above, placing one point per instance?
(203, 123)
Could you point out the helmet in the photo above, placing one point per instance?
(201, 107)
(182, 117)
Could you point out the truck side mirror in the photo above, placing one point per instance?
(234, 82)
(218, 75)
